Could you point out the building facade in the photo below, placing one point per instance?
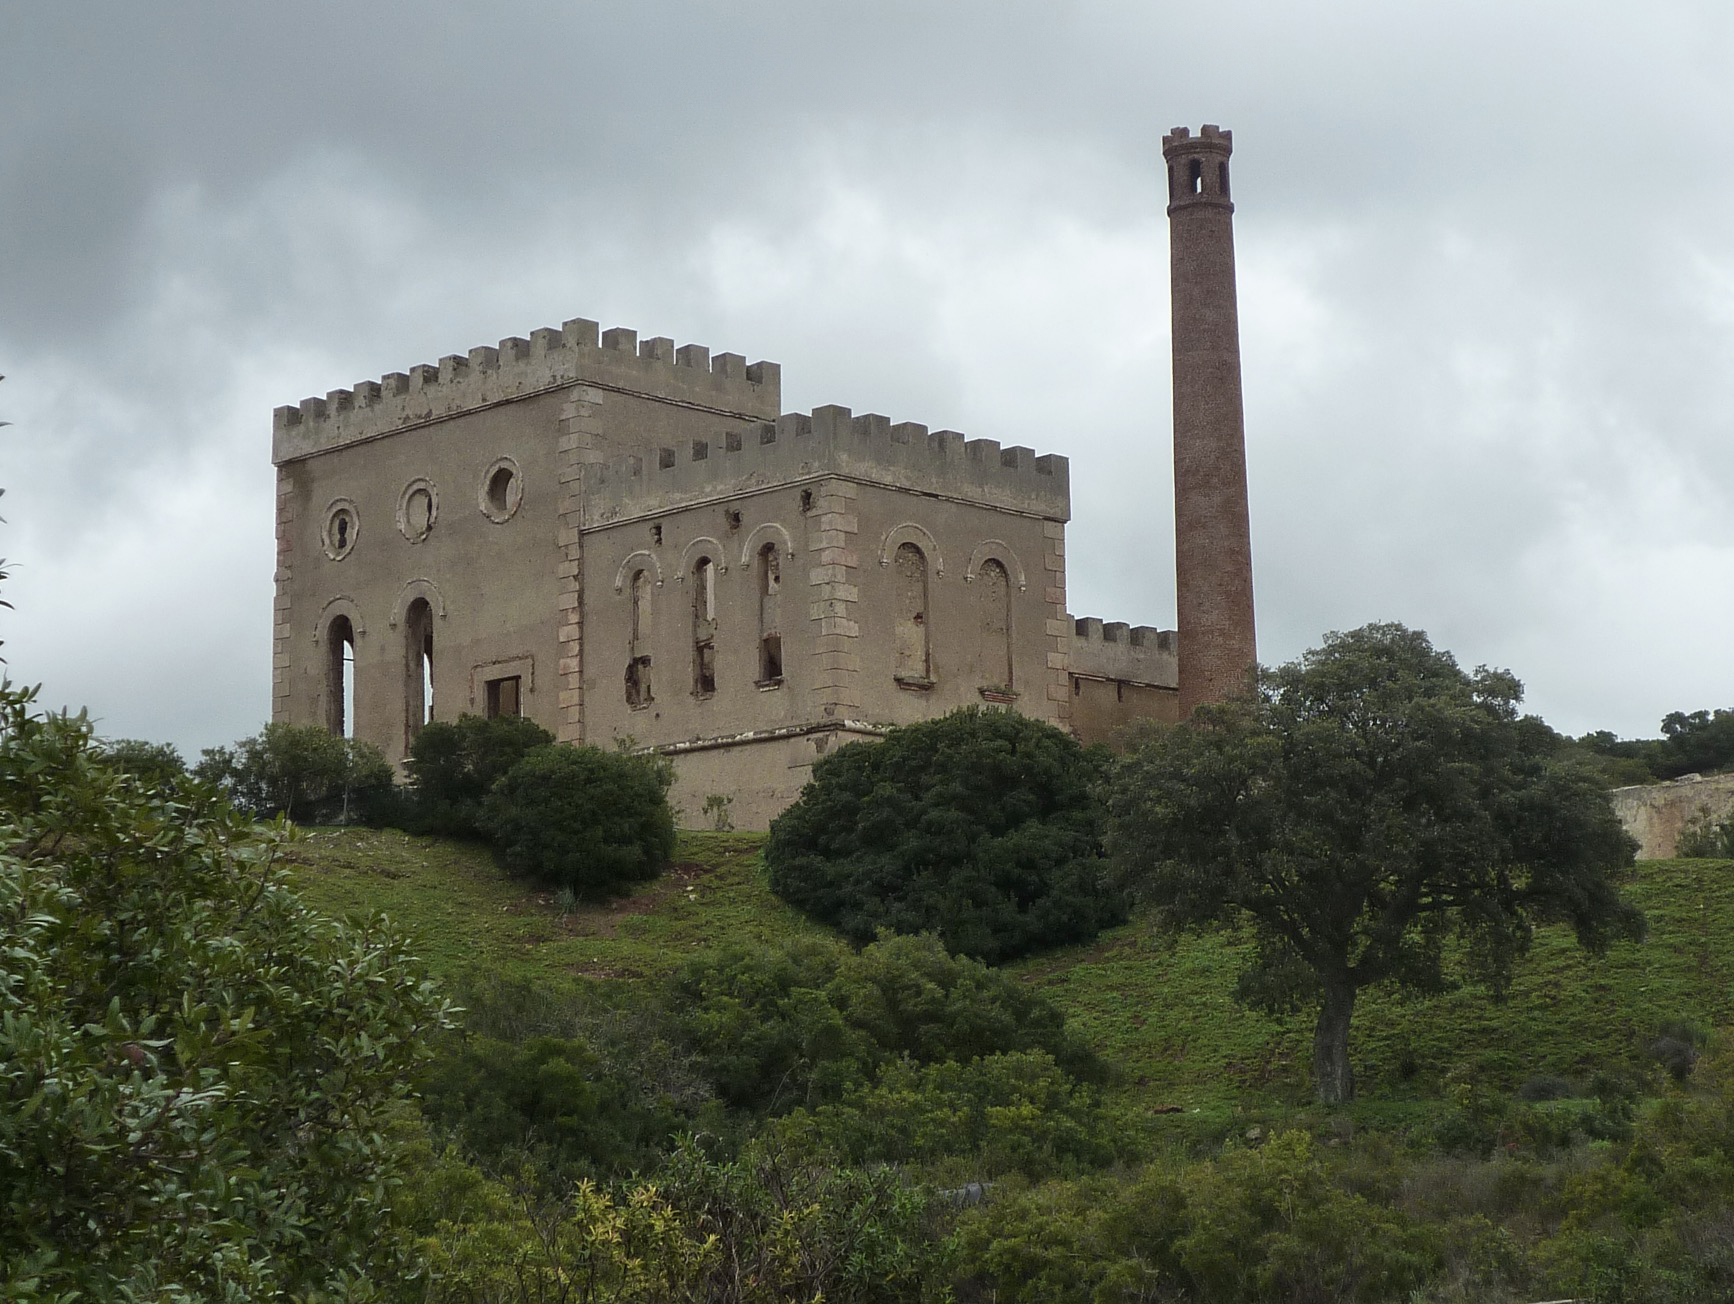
(630, 544)
(633, 545)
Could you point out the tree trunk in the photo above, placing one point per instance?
(1333, 1079)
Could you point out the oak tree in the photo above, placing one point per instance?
(1372, 814)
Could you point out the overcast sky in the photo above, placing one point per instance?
(1486, 257)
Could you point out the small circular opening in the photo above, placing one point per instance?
(500, 489)
(340, 530)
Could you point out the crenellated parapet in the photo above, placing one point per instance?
(830, 441)
(576, 353)
(1139, 654)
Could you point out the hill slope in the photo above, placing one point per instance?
(1164, 1013)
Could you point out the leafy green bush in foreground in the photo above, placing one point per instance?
(196, 1070)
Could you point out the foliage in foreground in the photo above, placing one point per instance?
(761, 1229)
(1374, 814)
(983, 827)
(196, 1069)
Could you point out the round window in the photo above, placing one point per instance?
(342, 525)
(417, 509)
(502, 490)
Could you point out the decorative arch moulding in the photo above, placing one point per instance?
(1000, 551)
(626, 567)
(341, 605)
(751, 547)
(420, 587)
(910, 532)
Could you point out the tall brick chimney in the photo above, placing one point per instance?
(1213, 542)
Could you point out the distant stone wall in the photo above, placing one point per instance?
(1656, 813)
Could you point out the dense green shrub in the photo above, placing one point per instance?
(982, 826)
(809, 1022)
(454, 764)
(550, 1099)
(303, 772)
(580, 818)
(197, 1072)
(757, 1229)
(1271, 1224)
(567, 1080)
(1012, 1112)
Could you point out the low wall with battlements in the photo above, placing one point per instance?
(690, 375)
(798, 447)
(1122, 674)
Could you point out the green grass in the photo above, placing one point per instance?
(1162, 1011)
(466, 913)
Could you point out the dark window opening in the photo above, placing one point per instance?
(638, 644)
(1119, 690)
(704, 669)
(1195, 176)
(770, 583)
(656, 535)
(340, 678)
(504, 696)
(734, 520)
(500, 490)
(703, 627)
(638, 682)
(806, 501)
(418, 704)
(1222, 179)
(342, 533)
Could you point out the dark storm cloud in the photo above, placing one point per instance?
(1486, 269)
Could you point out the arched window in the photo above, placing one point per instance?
(993, 599)
(340, 677)
(914, 656)
(769, 574)
(703, 627)
(638, 648)
(418, 686)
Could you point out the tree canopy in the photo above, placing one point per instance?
(1374, 814)
(197, 1071)
(983, 827)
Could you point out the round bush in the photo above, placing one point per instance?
(583, 819)
(455, 763)
(983, 827)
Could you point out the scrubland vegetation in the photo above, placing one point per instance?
(468, 1056)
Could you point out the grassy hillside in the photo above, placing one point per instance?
(1164, 1013)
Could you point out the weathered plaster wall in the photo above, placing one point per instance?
(1120, 674)
(917, 572)
(1655, 814)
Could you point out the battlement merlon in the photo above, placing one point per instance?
(1137, 654)
(1210, 139)
(725, 383)
(830, 441)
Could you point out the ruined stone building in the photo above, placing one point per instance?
(632, 544)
